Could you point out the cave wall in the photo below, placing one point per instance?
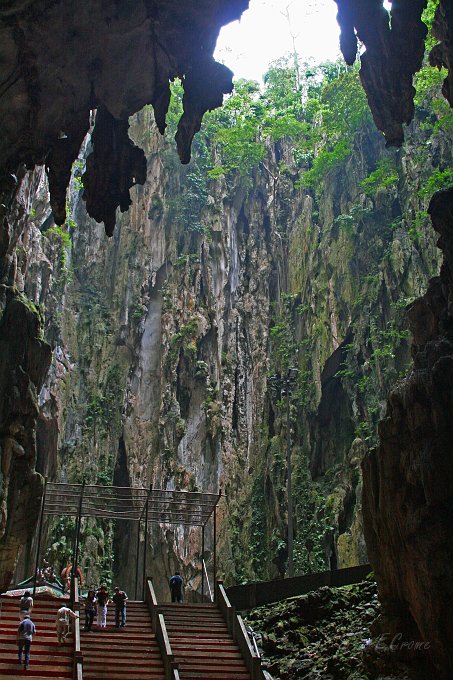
(408, 479)
(59, 61)
(25, 358)
(62, 60)
(23, 33)
(161, 352)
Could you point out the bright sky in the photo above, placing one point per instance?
(264, 34)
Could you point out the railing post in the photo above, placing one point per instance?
(145, 547)
(137, 556)
(214, 555)
(75, 556)
(78, 657)
(38, 547)
(224, 605)
(202, 563)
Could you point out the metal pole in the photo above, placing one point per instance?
(215, 546)
(289, 484)
(38, 547)
(202, 563)
(145, 549)
(214, 552)
(137, 556)
(75, 556)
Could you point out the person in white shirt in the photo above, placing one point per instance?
(26, 604)
(63, 621)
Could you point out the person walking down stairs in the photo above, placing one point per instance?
(119, 599)
(25, 634)
(102, 600)
(63, 621)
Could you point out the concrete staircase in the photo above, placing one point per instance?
(48, 659)
(195, 641)
(201, 643)
(114, 653)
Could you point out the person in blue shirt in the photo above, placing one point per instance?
(25, 634)
(176, 587)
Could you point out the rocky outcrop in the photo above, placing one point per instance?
(394, 52)
(24, 362)
(409, 478)
(60, 62)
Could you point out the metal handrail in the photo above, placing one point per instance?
(251, 635)
(207, 580)
(78, 656)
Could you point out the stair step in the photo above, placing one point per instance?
(201, 652)
(213, 672)
(34, 669)
(158, 674)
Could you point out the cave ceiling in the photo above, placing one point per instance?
(60, 60)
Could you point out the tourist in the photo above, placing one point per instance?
(176, 587)
(102, 600)
(25, 604)
(62, 622)
(25, 634)
(90, 610)
(120, 599)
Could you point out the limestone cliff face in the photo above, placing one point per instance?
(163, 345)
(59, 61)
(25, 361)
(408, 478)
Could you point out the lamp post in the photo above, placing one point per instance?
(284, 385)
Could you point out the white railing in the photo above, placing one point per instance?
(207, 581)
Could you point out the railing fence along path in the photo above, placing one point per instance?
(239, 633)
(252, 595)
(160, 630)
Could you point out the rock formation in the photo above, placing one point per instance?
(394, 52)
(25, 359)
(61, 60)
(408, 480)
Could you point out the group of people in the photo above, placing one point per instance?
(96, 601)
(95, 604)
(27, 628)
